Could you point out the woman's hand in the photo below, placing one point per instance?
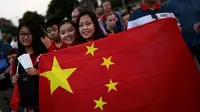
(32, 71)
(15, 78)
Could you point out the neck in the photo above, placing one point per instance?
(58, 43)
(150, 6)
(111, 29)
(29, 50)
(108, 12)
(71, 45)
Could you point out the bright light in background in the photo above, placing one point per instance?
(14, 9)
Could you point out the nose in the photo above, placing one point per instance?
(52, 33)
(25, 36)
(66, 34)
(85, 27)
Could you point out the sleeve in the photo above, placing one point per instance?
(132, 24)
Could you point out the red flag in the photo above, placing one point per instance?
(14, 104)
(145, 69)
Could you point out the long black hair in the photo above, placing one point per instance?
(37, 33)
(98, 32)
(78, 40)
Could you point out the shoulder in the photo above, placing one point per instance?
(137, 14)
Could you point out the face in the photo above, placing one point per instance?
(25, 36)
(86, 27)
(150, 2)
(53, 32)
(99, 11)
(75, 14)
(68, 33)
(11, 58)
(125, 20)
(111, 21)
(107, 6)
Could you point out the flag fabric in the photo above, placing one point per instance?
(144, 69)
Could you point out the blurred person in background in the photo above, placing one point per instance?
(125, 16)
(108, 9)
(5, 83)
(76, 12)
(99, 11)
(150, 11)
(188, 15)
(110, 21)
(14, 43)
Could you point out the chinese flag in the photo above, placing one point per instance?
(145, 69)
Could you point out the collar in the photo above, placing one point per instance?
(58, 48)
(144, 8)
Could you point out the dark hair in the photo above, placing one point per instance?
(129, 9)
(37, 33)
(98, 32)
(79, 9)
(78, 39)
(53, 21)
(13, 51)
(124, 13)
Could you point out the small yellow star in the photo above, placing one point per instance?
(112, 86)
(91, 49)
(58, 77)
(99, 103)
(107, 62)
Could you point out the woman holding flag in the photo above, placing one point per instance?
(26, 81)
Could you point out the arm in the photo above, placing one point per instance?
(132, 24)
(46, 41)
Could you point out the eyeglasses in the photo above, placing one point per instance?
(25, 34)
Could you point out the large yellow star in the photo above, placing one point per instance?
(112, 86)
(99, 103)
(91, 49)
(107, 62)
(58, 77)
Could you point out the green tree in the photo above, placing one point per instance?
(89, 4)
(7, 26)
(60, 8)
(32, 16)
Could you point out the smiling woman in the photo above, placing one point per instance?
(88, 26)
(29, 37)
(68, 33)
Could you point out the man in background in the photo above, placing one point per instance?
(52, 30)
(188, 15)
(108, 9)
(99, 11)
(75, 13)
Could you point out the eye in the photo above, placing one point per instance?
(88, 23)
(80, 25)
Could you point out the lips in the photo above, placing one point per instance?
(86, 33)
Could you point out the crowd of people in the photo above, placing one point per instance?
(84, 26)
